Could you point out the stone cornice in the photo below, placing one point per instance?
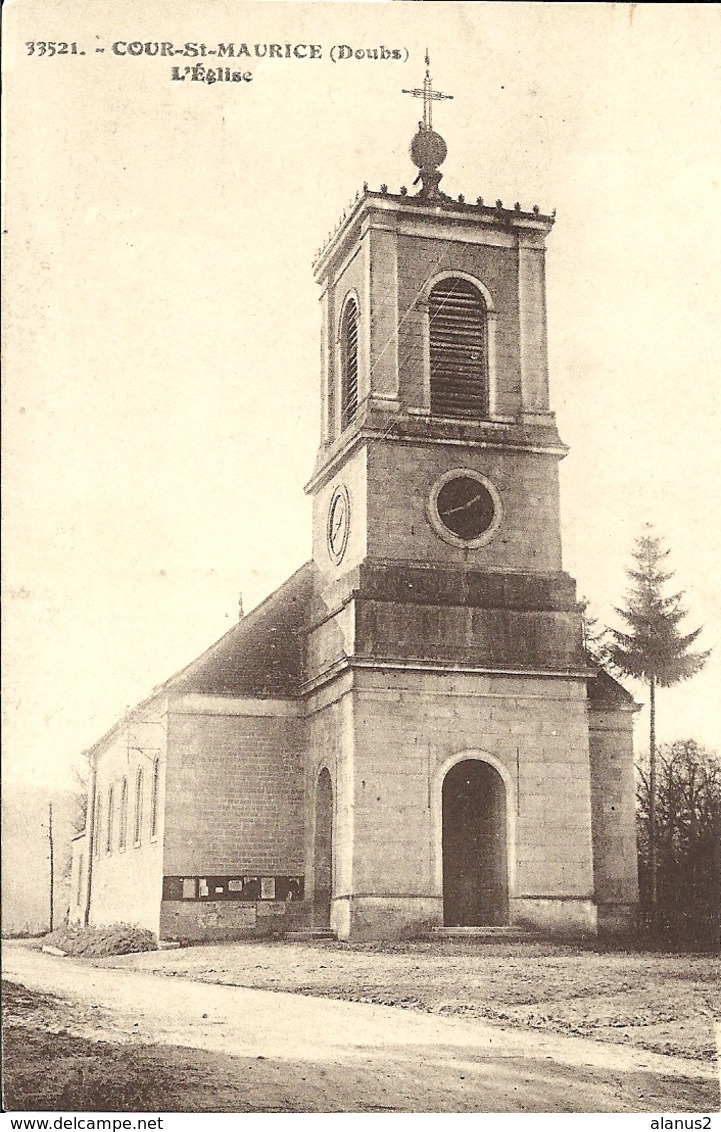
(399, 209)
(372, 424)
(385, 664)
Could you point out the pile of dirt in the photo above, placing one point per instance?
(94, 943)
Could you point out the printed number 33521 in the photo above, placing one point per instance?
(43, 47)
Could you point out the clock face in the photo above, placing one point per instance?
(465, 508)
(338, 523)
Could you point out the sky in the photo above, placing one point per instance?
(161, 344)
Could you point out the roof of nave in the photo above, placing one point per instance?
(262, 655)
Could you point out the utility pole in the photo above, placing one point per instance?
(652, 824)
(52, 862)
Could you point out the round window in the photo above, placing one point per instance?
(465, 508)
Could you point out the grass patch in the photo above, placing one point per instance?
(96, 943)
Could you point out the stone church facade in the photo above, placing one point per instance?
(408, 733)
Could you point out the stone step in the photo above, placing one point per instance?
(484, 934)
(308, 935)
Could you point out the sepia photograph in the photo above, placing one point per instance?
(362, 616)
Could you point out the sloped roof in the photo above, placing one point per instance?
(263, 655)
(605, 693)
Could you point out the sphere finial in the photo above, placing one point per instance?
(428, 149)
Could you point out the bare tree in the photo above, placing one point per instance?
(688, 814)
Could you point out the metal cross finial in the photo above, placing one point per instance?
(428, 94)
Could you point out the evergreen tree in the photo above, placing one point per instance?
(653, 649)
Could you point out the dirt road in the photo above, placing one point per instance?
(285, 1052)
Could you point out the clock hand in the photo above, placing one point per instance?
(463, 506)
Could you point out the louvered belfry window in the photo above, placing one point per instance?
(459, 355)
(349, 363)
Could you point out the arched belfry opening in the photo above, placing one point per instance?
(475, 856)
(349, 362)
(458, 338)
(323, 850)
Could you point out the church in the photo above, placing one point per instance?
(408, 734)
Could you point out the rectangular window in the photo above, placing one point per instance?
(97, 832)
(138, 828)
(123, 831)
(248, 888)
(111, 814)
(154, 799)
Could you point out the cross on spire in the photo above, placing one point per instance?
(428, 94)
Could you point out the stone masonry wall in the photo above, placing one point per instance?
(409, 727)
(614, 819)
(235, 789)
(222, 920)
(354, 476)
(400, 478)
(330, 744)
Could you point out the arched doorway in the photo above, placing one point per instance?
(475, 857)
(323, 850)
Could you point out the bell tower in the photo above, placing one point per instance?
(437, 442)
(446, 630)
